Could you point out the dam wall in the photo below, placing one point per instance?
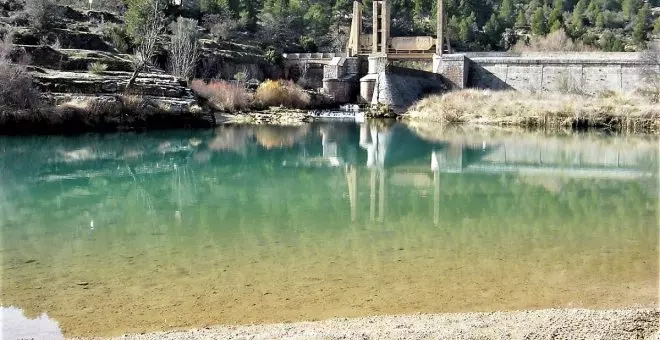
(580, 72)
(348, 80)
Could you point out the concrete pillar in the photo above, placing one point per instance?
(441, 28)
(437, 63)
(454, 68)
(385, 26)
(374, 38)
(353, 47)
(377, 64)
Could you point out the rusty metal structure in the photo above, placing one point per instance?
(380, 41)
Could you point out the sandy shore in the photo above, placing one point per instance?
(542, 324)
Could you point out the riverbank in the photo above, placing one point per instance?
(611, 111)
(541, 324)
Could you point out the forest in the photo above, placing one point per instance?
(472, 25)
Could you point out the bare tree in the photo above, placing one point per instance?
(16, 86)
(184, 49)
(39, 12)
(146, 32)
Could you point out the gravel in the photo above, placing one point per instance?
(541, 324)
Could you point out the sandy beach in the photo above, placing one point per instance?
(541, 324)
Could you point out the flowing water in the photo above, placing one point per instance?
(118, 233)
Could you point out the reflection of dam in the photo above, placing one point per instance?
(397, 146)
(396, 154)
(365, 163)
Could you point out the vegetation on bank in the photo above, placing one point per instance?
(234, 96)
(632, 112)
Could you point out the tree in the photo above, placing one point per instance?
(656, 26)
(493, 31)
(630, 8)
(539, 25)
(16, 84)
(506, 12)
(521, 20)
(610, 43)
(184, 48)
(145, 22)
(249, 13)
(641, 27)
(555, 18)
(466, 29)
(600, 21)
(39, 12)
(577, 23)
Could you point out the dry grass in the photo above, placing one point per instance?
(16, 85)
(223, 95)
(282, 93)
(632, 113)
(557, 41)
(97, 68)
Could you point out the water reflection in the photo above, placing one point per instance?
(262, 224)
(15, 325)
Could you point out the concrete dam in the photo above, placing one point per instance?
(367, 73)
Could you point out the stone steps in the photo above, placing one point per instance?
(70, 59)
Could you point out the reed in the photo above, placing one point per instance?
(615, 111)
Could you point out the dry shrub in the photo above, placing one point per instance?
(40, 12)
(131, 102)
(282, 93)
(627, 112)
(16, 86)
(557, 41)
(222, 95)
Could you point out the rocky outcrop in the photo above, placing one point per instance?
(146, 84)
(226, 60)
(77, 97)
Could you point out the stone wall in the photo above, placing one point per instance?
(341, 79)
(454, 68)
(400, 87)
(587, 73)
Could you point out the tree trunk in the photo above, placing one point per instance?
(136, 73)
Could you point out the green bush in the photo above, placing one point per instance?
(118, 37)
(97, 68)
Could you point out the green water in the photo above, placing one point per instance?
(118, 233)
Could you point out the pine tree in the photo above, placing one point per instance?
(467, 28)
(577, 24)
(493, 31)
(521, 20)
(555, 18)
(454, 28)
(630, 8)
(593, 9)
(539, 25)
(506, 11)
(641, 27)
(250, 13)
(600, 21)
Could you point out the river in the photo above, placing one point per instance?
(133, 232)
